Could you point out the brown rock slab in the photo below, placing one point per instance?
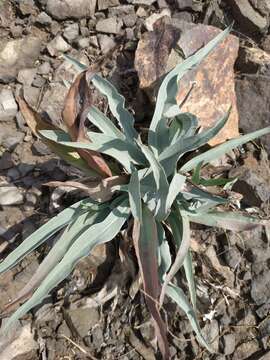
(153, 52)
(214, 90)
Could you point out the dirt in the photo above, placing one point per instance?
(99, 312)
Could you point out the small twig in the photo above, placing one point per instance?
(78, 347)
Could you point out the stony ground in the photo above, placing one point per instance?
(99, 313)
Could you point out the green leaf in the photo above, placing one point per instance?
(183, 125)
(222, 149)
(188, 268)
(135, 196)
(104, 124)
(98, 233)
(117, 106)
(160, 180)
(78, 65)
(67, 238)
(145, 240)
(175, 187)
(120, 150)
(42, 234)
(178, 296)
(171, 155)
(169, 88)
(181, 235)
(228, 220)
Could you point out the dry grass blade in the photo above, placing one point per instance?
(98, 190)
(77, 104)
(145, 243)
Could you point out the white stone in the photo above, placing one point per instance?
(57, 46)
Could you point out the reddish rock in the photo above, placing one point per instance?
(214, 89)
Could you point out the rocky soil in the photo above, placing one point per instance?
(99, 312)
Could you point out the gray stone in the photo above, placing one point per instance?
(10, 142)
(106, 43)
(264, 310)
(121, 10)
(105, 4)
(10, 194)
(150, 21)
(39, 148)
(43, 19)
(246, 350)
(252, 186)
(44, 69)
(16, 55)
(78, 9)
(264, 327)
(110, 26)
(6, 161)
(93, 41)
(53, 99)
(232, 256)
(84, 319)
(18, 342)
(27, 7)
(71, 32)
(26, 76)
(20, 121)
(8, 105)
(16, 31)
(130, 20)
(260, 288)
(253, 99)
(31, 95)
(143, 2)
(248, 18)
(39, 81)
(83, 43)
(189, 5)
(57, 46)
(229, 344)
(85, 32)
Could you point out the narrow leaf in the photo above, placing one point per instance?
(145, 240)
(222, 149)
(176, 186)
(41, 235)
(160, 180)
(117, 106)
(135, 196)
(169, 87)
(104, 124)
(171, 155)
(77, 104)
(178, 296)
(99, 233)
(228, 220)
(184, 241)
(188, 268)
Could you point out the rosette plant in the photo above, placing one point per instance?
(148, 185)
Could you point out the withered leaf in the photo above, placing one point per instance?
(77, 104)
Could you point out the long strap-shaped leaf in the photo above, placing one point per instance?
(117, 106)
(169, 87)
(146, 244)
(58, 251)
(119, 149)
(171, 155)
(160, 180)
(104, 124)
(97, 234)
(134, 193)
(177, 295)
(188, 268)
(181, 235)
(175, 187)
(222, 149)
(228, 220)
(42, 234)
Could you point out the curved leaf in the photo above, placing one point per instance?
(96, 234)
(222, 149)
